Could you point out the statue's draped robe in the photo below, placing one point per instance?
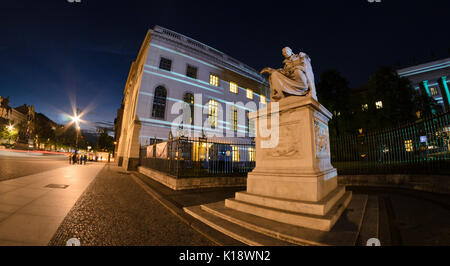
(292, 79)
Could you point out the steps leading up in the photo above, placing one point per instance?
(239, 233)
(316, 208)
(255, 230)
(317, 222)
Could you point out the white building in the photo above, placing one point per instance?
(172, 68)
(431, 78)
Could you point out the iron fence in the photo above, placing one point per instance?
(183, 157)
(421, 147)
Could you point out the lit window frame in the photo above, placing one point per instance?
(249, 94)
(214, 80)
(212, 113)
(379, 105)
(433, 91)
(234, 88)
(262, 99)
(235, 153)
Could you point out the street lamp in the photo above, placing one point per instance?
(76, 120)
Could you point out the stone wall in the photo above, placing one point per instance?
(192, 182)
(428, 183)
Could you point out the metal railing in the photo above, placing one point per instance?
(183, 157)
(421, 147)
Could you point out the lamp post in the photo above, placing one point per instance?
(76, 120)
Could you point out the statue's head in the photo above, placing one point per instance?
(287, 52)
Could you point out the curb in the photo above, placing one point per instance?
(182, 215)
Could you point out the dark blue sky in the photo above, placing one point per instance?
(50, 49)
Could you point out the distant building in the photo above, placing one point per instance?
(431, 78)
(23, 115)
(172, 68)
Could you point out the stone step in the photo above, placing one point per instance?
(239, 233)
(321, 207)
(316, 222)
(344, 233)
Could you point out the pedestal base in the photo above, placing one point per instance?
(321, 215)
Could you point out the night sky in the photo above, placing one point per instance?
(54, 51)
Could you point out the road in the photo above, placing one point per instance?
(13, 165)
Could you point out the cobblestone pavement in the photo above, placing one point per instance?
(17, 166)
(114, 210)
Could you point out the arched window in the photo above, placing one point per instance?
(159, 102)
(189, 99)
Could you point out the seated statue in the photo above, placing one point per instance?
(295, 78)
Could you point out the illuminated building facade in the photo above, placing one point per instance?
(172, 68)
(431, 78)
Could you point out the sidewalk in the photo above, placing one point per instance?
(30, 211)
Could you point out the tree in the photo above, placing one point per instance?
(333, 92)
(105, 142)
(9, 133)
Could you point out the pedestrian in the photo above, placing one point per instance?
(70, 158)
(74, 158)
(85, 159)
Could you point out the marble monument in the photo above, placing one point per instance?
(294, 182)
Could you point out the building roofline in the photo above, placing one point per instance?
(203, 48)
(433, 65)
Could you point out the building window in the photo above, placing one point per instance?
(191, 72)
(234, 118)
(212, 114)
(165, 64)
(433, 91)
(159, 102)
(189, 99)
(365, 107)
(379, 105)
(250, 93)
(408, 145)
(251, 154)
(214, 80)
(262, 99)
(235, 153)
(233, 87)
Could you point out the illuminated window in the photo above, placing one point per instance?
(433, 91)
(234, 113)
(251, 154)
(165, 64)
(250, 93)
(189, 99)
(379, 105)
(214, 80)
(159, 102)
(235, 153)
(212, 115)
(191, 72)
(365, 107)
(262, 99)
(233, 87)
(408, 145)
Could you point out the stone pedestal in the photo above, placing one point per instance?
(294, 182)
